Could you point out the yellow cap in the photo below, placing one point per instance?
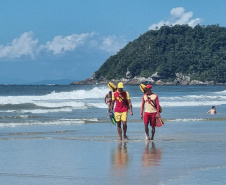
(120, 85)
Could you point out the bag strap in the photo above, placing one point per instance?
(125, 101)
(151, 101)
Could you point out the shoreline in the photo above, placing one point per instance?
(91, 81)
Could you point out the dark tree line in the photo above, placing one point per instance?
(199, 52)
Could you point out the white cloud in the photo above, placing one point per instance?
(62, 44)
(112, 44)
(177, 12)
(25, 45)
(194, 22)
(178, 16)
(93, 40)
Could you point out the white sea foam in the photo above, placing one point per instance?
(60, 104)
(45, 111)
(57, 122)
(94, 98)
(184, 103)
(78, 94)
(97, 105)
(82, 119)
(194, 97)
(192, 103)
(77, 99)
(221, 92)
(15, 117)
(7, 111)
(186, 120)
(94, 93)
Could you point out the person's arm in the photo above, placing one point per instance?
(157, 103)
(142, 108)
(130, 107)
(130, 103)
(208, 111)
(112, 105)
(105, 98)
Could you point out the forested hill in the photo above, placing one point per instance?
(199, 53)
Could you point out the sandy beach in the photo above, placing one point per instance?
(73, 154)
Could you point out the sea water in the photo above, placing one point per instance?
(60, 105)
(54, 134)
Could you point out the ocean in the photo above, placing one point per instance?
(61, 134)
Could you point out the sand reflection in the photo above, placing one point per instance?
(152, 156)
(120, 158)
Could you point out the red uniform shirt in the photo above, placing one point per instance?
(121, 100)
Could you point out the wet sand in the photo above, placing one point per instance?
(191, 153)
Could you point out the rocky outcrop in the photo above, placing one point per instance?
(154, 79)
(197, 82)
(128, 74)
(182, 79)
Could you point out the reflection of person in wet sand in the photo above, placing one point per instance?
(121, 156)
(151, 157)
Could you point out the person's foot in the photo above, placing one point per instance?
(147, 138)
(125, 138)
(152, 139)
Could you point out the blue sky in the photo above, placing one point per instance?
(70, 39)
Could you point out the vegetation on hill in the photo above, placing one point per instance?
(198, 52)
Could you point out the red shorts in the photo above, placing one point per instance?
(150, 117)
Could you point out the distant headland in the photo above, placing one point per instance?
(171, 55)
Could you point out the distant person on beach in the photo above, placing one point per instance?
(123, 103)
(108, 100)
(150, 101)
(212, 111)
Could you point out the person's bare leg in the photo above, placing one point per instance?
(124, 129)
(147, 132)
(119, 129)
(152, 133)
(109, 107)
